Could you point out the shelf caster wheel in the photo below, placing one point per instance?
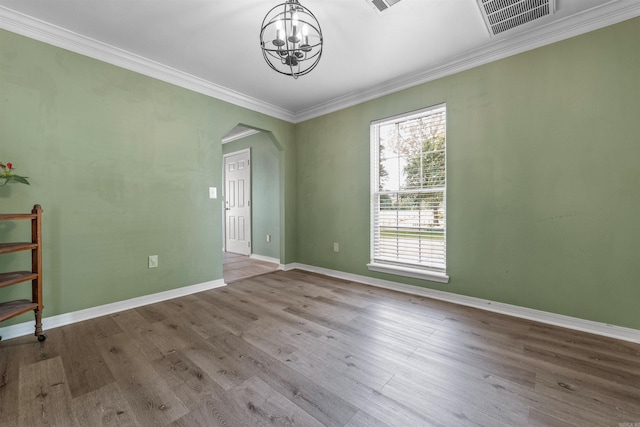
(42, 337)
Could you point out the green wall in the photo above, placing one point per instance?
(543, 178)
(121, 164)
(265, 192)
(543, 155)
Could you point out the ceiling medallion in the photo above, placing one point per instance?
(291, 39)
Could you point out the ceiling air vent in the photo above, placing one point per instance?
(382, 5)
(503, 15)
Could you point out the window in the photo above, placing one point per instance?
(408, 195)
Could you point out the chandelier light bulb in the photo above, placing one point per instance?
(279, 40)
(305, 39)
(294, 38)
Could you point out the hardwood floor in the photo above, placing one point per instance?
(237, 267)
(299, 349)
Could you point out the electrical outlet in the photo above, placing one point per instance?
(153, 261)
(336, 247)
(268, 238)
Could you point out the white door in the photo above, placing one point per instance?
(237, 203)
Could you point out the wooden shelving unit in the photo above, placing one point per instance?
(9, 309)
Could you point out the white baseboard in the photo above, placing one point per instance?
(265, 259)
(48, 323)
(604, 329)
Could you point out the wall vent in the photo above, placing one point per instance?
(503, 15)
(382, 5)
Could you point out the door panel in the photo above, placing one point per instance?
(237, 178)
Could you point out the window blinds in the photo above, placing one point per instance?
(409, 190)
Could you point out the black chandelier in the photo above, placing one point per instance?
(291, 39)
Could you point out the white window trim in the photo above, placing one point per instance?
(416, 273)
(390, 268)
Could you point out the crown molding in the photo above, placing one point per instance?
(239, 135)
(28, 26)
(590, 20)
(610, 13)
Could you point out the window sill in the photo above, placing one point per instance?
(416, 273)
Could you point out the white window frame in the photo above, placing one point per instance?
(419, 271)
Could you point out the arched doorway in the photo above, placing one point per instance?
(251, 203)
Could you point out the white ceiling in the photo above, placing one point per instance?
(366, 53)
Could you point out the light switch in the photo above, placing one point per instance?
(213, 193)
(153, 261)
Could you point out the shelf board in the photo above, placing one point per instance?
(11, 217)
(10, 309)
(13, 277)
(6, 248)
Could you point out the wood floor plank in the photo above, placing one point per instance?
(322, 404)
(147, 393)
(540, 419)
(295, 286)
(252, 289)
(432, 372)
(85, 367)
(562, 413)
(217, 364)
(33, 351)
(582, 340)
(342, 361)
(266, 406)
(366, 297)
(238, 267)
(508, 365)
(292, 323)
(393, 351)
(270, 340)
(390, 351)
(198, 314)
(176, 331)
(298, 348)
(511, 395)
(607, 369)
(207, 415)
(454, 405)
(9, 419)
(350, 328)
(208, 403)
(105, 406)
(222, 315)
(453, 377)
(155, 312)
(355, 392)
(146, 339)
(9, 381)
(44, 397)
(362, 419)
(601, 390)
(394, 331)
(585, 347)
(413, 319)
(231, 308)
(582, 397)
